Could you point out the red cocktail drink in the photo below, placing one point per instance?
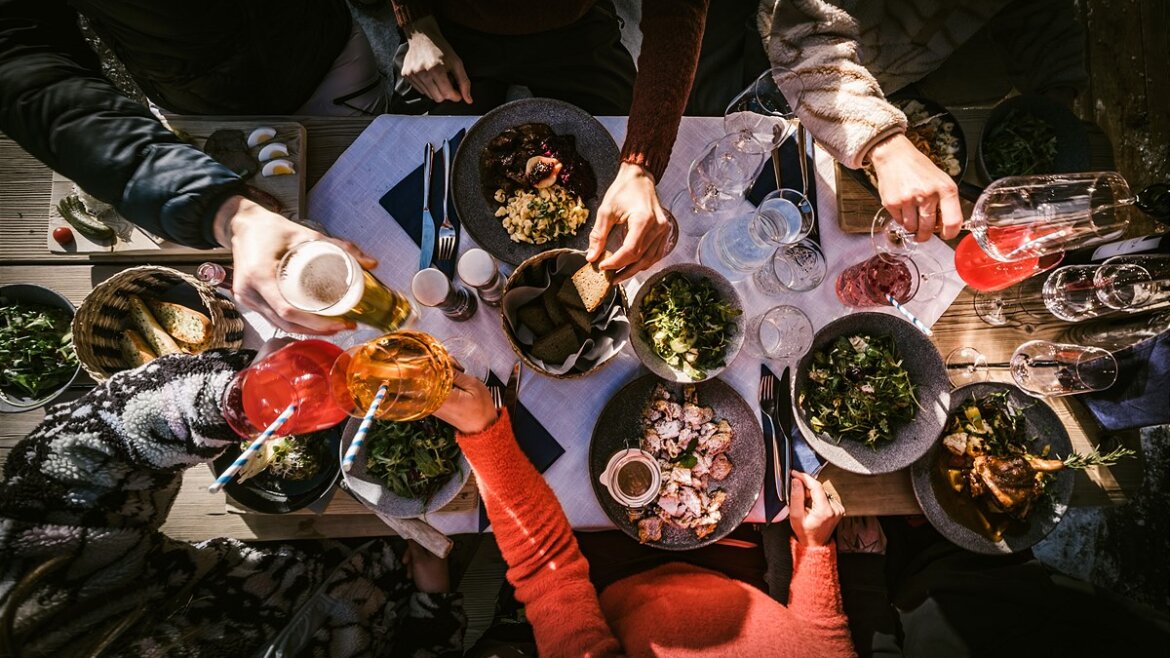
(986, 274)
(867, 283)
(297, 373)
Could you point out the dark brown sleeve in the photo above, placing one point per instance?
(408, 11)
(672, 31)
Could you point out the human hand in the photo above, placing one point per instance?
(428, 571)
(258, 239)
(812, 513)
(469, 407)
(918, 195)
(631, 200)
(431, 65)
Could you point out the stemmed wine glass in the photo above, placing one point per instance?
(761, 116)
(297, 373)
(1041, 368)
(416, 370)
(1134, 283)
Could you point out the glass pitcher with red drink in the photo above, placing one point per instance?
(297, 373)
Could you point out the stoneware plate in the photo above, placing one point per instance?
(269, 494)
(952, 513)
(927, 372)
(32, 294)
(645, 350)
(620, 426)
(376, 496)
(594, 143)
(1073, 151)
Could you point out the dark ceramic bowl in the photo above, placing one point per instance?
(644, 349)
(1072, 140)
(594, 143)
(269, 494)
(620, 426)
(374, 494)
(28, 293)
(927, 372)
(953, 514)
(933, 108)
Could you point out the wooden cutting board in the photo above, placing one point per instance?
(288, 190)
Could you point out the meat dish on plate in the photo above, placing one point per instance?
(691, 447)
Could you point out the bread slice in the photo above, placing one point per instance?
(581, 319)
(553, 306)
(533, 316)
(554, 348)
(157, 337)
(135, 350)
(592, 285)
(568, 295)
(185, 325)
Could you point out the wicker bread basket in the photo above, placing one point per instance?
(516, 279)
(105, 312)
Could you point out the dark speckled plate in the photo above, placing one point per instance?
(953, 514)
(932, 388)
(269, 494)
(620, 426)
(594, 143)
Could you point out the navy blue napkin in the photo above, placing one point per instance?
(804, 460)
(540, 446)
(790, 172)
(404, 202)
(1141, 395)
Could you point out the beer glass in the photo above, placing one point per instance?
(320, 277)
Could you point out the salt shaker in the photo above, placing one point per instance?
(432, 288)
(478, 269)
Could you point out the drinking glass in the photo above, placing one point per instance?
(1070, 294)
(986, 274)
(797, 267)
(740, 246)
(1021, 305)
(722, 174)
(781, 332)
(1042, 368)
(1134, 283)
(869, 282)
(762, 116)
(320, 277)
(415, 368)
(298, 373)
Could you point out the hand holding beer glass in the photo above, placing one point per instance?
(320, 277)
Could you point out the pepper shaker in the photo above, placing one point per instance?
(432, 288)
(479, 270)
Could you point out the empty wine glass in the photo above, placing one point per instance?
(781, 332)
(761, 116)
(722, 173)
(1070, 295)
(1021, 305)
(740, 246)
(1042, 368)
(1134, 283)
(796, 267)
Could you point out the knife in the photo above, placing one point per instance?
(427, 246)
(512, 390)
(782, 415)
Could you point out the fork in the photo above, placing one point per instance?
(497, 396)
(446, 229)
(768, 401)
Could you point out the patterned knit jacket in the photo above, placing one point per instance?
(847, 52)
(81, 504)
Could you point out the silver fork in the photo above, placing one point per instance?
(768, 402)
(497, 396)
(446, 229)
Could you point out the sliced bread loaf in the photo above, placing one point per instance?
(157, 337)
(592, 285)
(554, 348)
(186, 325)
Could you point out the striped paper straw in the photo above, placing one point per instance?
(250, 451)
(908, 315)
(360, 436)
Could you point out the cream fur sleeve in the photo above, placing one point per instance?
(841, 104)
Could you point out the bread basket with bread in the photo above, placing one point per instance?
(145, 312)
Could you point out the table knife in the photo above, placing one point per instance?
(512, 390)
(782, 414)
(427, 245)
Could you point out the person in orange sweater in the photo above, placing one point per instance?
(672, 610)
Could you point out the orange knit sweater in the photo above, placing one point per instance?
(673, 610)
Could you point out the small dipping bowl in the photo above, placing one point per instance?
(632, 478)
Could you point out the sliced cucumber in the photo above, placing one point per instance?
(74, 212)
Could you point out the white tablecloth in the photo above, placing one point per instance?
(345, 202)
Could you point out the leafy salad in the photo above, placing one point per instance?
(1021, 144)
(288, 457)
(36, 350)
(688, 324)
(413, 460)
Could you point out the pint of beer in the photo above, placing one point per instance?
(320, 277)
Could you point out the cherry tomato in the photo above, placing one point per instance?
(63, 235)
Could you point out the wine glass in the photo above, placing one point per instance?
(875, 280)
(761, 117)
(796, 267)
(298, 373)
(720, 176)
(415, 368)
(780, 332)
(1070, 294)
(1042, 368)
(1021, 305)
(1134, 283)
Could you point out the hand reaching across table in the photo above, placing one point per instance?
(431, 65)
(632, 201)
(919, 195)
(258, 239)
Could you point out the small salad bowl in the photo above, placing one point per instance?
(22, 293)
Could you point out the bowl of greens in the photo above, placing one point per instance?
(1029, 135)
(872, 394)
(687, 323)
(406, 469)
(288, 473)
(36, 347)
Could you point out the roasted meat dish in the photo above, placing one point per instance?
(531, 155)
(691, 446)
(1013, 483)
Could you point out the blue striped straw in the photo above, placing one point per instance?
(360, 436)
(908, 315)
(250, 451)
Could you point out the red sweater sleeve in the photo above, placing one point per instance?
(672, 31)
(550, 574)
(814, 596)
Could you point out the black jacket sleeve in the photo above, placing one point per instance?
(55, 103)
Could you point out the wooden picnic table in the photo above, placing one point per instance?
(197, 515)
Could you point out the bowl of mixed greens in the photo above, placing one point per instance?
(287, 474)
(1029, 135)
(406, 469)
(871, 395)
(687, 323)
(36, 347)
